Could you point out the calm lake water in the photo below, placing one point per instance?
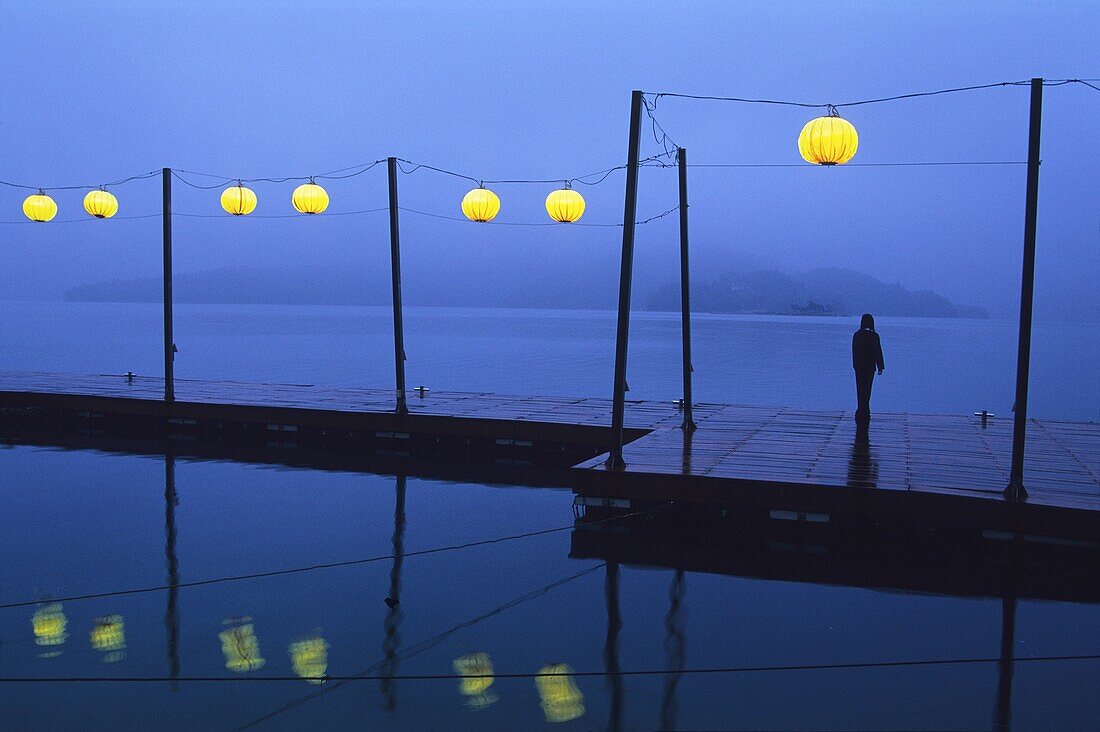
(80, 522)
(932, 365)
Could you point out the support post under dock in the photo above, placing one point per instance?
(395, 272)
(169, 343)
(685, 288)
(1015, 490)
(615, 460)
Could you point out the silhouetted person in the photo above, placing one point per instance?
(866, 357)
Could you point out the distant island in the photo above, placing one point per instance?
(830, 291)
(826, 291)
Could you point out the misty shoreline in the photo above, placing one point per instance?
(827, 292)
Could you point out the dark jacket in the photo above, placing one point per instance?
(866, 351)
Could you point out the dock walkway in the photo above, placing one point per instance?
(768, 457)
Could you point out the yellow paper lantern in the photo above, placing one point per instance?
(561, 700)
(480, 204)
(828, 140)
(238, 200)
(241, 648)
(310, 198)
(50, 629)
(565, 205)
(476, 670)
(109, 636)
(309, 658)
(39, 207)
(101, 204)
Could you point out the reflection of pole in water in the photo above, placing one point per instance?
(393, 618)
(171, 614)
(676, 647)
(1002, 719)
(611, 647)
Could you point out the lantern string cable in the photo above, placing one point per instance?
(529, 223)
(327, 565)
(96, 186)
(854, 165)
(90, 218)
(223, 180)
(667, 144)
(813, 105)
(907, 663)
(599, 175)
(326, 214)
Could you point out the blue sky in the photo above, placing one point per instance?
(97, 91)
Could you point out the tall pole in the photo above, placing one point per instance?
(685, 287)
(618, 404)
(1015, 490)
(395, 275)
(169, 344)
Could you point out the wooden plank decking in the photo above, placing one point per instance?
(900, 452)
(773, 449)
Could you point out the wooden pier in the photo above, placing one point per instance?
(783, 463)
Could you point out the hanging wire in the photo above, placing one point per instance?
(815, 105)
(858, 165)
(88, 218)
(96, 186)
(530, 223)
(599, 175)
(338, 174)
(573, 674)
(327, 565)
(282, 216)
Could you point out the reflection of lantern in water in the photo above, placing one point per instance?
(562, 701)
(241, 647)
(309, 657)
(109, 636)
(50, 628)
(477, 676)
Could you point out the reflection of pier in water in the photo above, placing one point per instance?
(918, 558)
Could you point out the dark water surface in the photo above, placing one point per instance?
(73, 523)
(82, 522)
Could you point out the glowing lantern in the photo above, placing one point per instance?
(828, 140)
(50, 628)
(238, 200)
(562, 701)
(101, 204)
(39, 207)
(477, 676)
(310, 198)
(241, 648)
(565, 205)
(109, 636)
(480, 204)
(309, 657)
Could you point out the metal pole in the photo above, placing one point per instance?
(1015, 490)
(685, 288)
(169, 344)
(395, 270)
(615, 461)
